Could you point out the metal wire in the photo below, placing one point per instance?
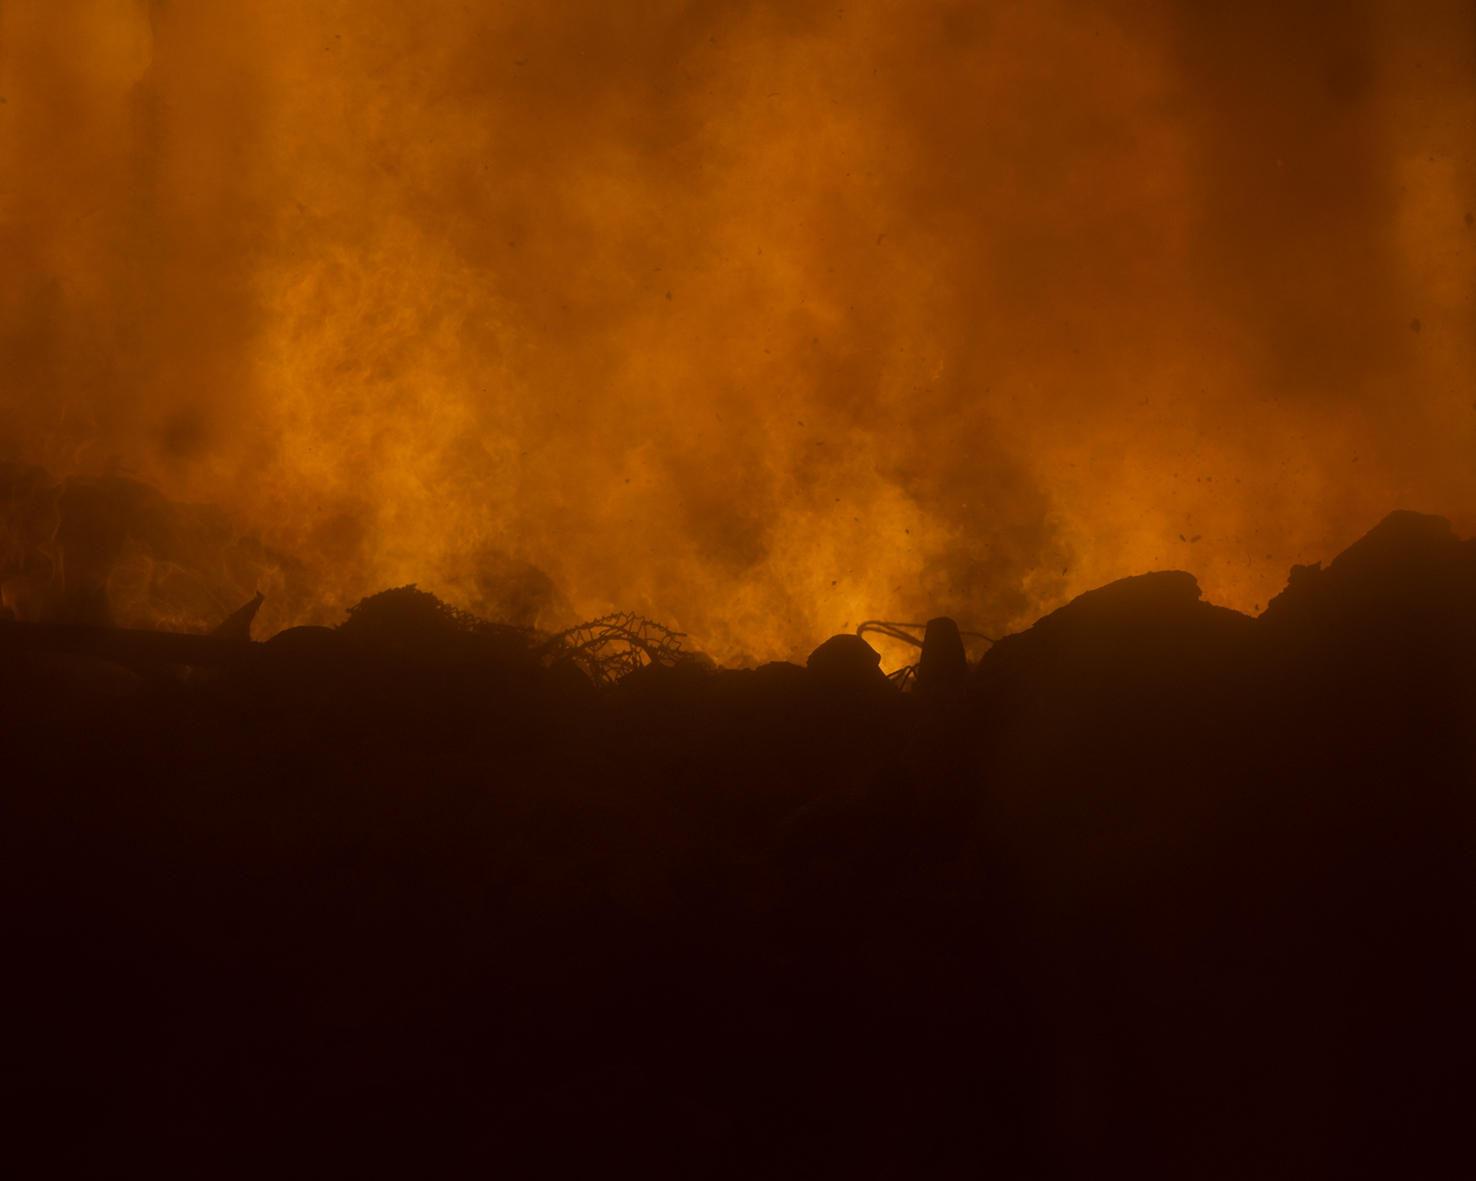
(610, 647)
(894, 631)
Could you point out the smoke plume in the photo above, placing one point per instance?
(757, 319)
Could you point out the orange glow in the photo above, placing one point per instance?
(756, 319)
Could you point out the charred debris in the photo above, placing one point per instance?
(1154, 889)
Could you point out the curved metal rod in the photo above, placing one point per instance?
(894, 631)
(891, 629)
(904, 676)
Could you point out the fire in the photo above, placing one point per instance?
(757, 320)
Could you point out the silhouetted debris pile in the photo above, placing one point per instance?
(613, 646)
(1157, 890)
(410, 623)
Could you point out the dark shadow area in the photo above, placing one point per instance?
(1156, 889)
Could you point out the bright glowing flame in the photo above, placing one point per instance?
(758, 320)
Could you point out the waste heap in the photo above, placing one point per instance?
(1154, 889)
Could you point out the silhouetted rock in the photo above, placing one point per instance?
(1384, 638)
(1408, 574)
(847, 662)
(1148, 628)
(944, 664)
(781, 676)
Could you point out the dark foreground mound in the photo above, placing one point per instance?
(1159, 890)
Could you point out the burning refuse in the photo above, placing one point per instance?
(531, 899)
(466, 474)
(112, 551)
(972, 308)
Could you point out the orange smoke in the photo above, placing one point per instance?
(757, 319)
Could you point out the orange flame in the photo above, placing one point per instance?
(760, 320)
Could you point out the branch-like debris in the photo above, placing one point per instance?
(614, 645)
